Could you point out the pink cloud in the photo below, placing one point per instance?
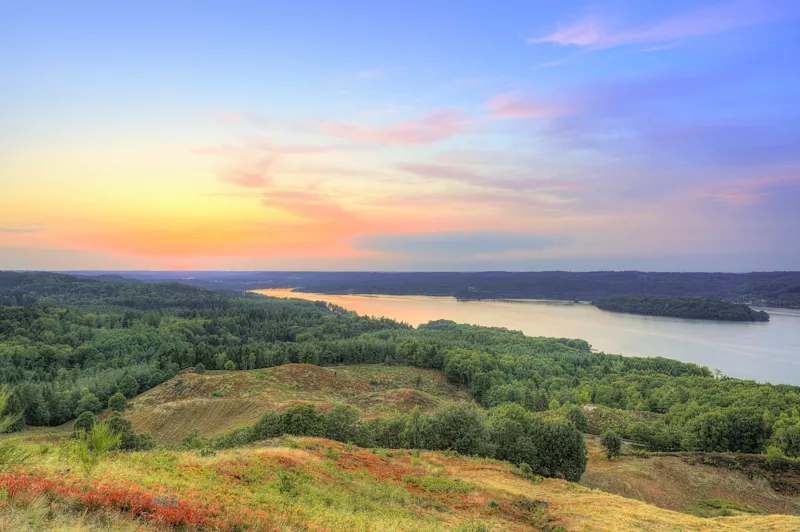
(255, 175)
(514, 106)
(433, 127)
(596, 33)
(747, 191)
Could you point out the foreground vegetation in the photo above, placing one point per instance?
(445, 426)
(698, 308)
(317, 484)
(77, 342)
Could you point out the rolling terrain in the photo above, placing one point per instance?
(315, 484)
(216, 402)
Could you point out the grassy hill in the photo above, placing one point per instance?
(684, 482)
(314, 484)
(216, 402)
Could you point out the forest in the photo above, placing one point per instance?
(775, 289)
(69, 344)
(692, 307)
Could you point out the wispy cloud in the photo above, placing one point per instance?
(596, 33)
(454, 243)
(515, 105)
(21, 228)
(433, 127)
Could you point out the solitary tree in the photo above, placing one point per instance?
(90, 448)
(230, 365)
(117, 402)
(612, 443)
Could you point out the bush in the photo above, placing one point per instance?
(461, 427)
(612, 443)
(774, 456)
(88, 403)
(200, 368)
(117, 402)
(574, 414)
(85, 422)
(553, 448)
(230, 365)
(128, 386)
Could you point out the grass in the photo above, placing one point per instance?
(674, 483)
(316, 484)
(216, 402)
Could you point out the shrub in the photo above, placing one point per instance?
(88, 403)
(774, 456)
(200, 368)
(85, 422)
(461, 427)
(128, 386)
(575, 415)
(117, 402)
(230, 365)
(88, 449)
(612, 443)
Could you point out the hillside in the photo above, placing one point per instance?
(778, 289)
(313, 484)
(692, 483)
(217, 401)
(689, 307)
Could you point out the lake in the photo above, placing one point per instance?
(767, 351)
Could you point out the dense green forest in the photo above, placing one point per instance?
(694, 307)
(778, 289)
(68, 344)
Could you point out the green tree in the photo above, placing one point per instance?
(88, 403)
(612, 443)
(461, 427)
(128, 386)
(230, 365)
(117, 402)
(575, 415)
(89, 449)
(416, 430)
(85, 421)
(340, 423)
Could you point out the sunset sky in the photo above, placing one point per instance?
(397, 135)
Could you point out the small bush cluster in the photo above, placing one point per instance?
(553, 448)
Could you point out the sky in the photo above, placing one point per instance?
(400, 135)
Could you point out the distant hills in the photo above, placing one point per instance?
(777, 289)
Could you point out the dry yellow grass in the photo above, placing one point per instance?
(671, 483)
(219, 401)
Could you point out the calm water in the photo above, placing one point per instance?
(762, 351)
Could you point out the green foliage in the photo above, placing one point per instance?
(88, 403)
(200, 368)
(612, 443)
(461, 427)
(128, 439)
(574, 414)
(85, 422)
(75, 341)
(128, 386)
(774, 456)
(10, 453)
(693, 307)
(89, 449)
(230, 365)
(117, 402)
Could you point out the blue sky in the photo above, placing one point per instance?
(400, 135)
